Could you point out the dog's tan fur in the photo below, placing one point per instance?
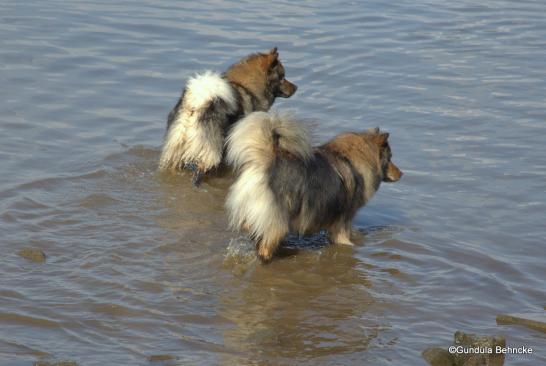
(211, 103)
(284, 185)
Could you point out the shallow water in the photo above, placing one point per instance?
(140, 264)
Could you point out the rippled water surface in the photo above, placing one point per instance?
(141, 268)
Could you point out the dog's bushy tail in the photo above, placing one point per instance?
(252, 146)
(195, 130)
(257, 138)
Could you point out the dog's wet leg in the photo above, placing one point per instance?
(197, 178)
(265, 253)
(340, 233)
(191, 166)
(198, 174)
(260, 252)
(267, 246)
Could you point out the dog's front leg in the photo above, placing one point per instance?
(340, 233)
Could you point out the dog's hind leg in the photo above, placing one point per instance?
(197, 178)
(340, 233)
(197, 173)
(267, 246)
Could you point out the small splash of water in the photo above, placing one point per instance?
(240, 251)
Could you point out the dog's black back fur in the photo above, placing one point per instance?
(314, 189)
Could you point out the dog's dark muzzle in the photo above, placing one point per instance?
(287, 89)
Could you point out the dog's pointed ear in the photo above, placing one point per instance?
(380, 139)
(270, 59)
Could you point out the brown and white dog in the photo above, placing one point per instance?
(284, 185)
(211, 103)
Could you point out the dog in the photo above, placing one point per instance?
(284, 185)
(211, 103)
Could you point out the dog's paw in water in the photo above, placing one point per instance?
(265, 254)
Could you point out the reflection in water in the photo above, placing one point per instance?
(314, 305)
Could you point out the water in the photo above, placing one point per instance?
(139, 264)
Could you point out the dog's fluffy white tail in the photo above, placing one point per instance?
(189, 137)
(259, 136)
(252, 146)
